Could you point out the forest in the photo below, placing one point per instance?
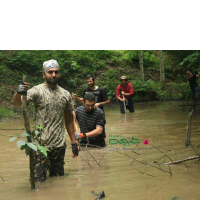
(156, 75)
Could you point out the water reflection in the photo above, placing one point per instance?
(132, 171)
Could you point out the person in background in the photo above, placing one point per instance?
(192, 82)
(53, 109)
(124, 92)
(91, 121)
(101, 97)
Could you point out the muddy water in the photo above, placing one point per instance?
(126, 171)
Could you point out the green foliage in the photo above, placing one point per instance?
(24, 145)
(111, 81)
(6, 112)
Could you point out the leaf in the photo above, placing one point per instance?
(23, 147)
(20, 143)
(25, 134)
(12, 139)
(37, 132)
(32, 146)
(42, 149)
(27, 150)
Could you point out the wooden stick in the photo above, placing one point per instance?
(76, 128)
(180, 161)
(124, 104)
(28, 130)
(188, 134)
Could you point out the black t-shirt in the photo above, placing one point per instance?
(193, 81)
(89, 121)
(99, 93)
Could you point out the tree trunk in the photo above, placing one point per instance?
(28, 130)
(141, 64)
(162, 71)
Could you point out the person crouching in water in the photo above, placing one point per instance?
(91, 121)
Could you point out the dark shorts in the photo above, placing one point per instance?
(54, 162)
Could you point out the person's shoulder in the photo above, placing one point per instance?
(38, 87)
(98, 110)
(63, 90)
(130, 84)
(100, 88)
(80, 108)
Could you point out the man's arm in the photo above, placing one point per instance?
(69, 125)
(70, 129)
(131, 90)
(95, 132)
(117, 94)
(105, 99)
(74, 96)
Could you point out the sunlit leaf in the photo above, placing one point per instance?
(37, 132)
(20, 143)
(32, 146)
(42, 149)
(25, 134)
(12, 139)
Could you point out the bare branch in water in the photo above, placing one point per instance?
(86, 161)
(143, 172)
(180, 161)
(102, 157)
(2, 178)
(93, 158)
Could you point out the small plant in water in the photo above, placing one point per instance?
(35, 145)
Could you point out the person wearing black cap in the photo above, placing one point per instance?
(124, 93)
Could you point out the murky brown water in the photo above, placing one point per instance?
(121, 177)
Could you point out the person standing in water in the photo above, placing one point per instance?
(124, 92)
(53, 109)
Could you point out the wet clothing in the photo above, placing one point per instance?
(192, 79)
(99, 93)
(50, 106)
(129, 102)
(54, 162)
(88, 122)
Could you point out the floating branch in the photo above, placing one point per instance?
(86, 161)
(180, 161)
(93, 158)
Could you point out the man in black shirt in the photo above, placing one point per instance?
(192, 81)
(101, 97)
(91, 120)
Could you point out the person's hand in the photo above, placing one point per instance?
(22, 88)
(79, 136)
(75, 150)
(123, 99)
(122, 92)
(74, 96)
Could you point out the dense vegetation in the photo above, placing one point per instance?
(107, 66)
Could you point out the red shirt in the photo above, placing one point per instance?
(126, 89)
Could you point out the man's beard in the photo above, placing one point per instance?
(51, 83)
(89, 111)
